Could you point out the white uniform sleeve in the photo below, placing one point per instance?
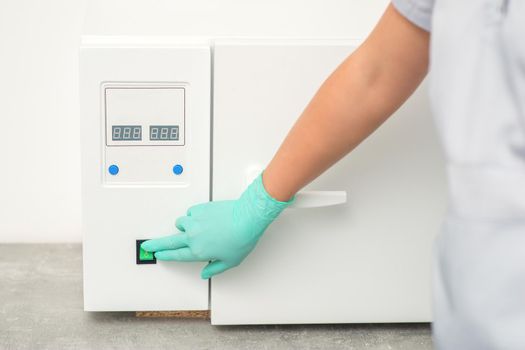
(418, 12)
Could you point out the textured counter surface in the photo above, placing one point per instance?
(41, 308)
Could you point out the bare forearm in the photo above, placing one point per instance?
(358, 97)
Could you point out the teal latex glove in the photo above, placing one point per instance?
(222, 232)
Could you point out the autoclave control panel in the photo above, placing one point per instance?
(144, 132)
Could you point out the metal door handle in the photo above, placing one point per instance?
(305, 199)
(317, 199)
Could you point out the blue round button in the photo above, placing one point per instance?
(113, 169)
(177, 169)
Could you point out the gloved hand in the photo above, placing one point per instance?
(223, 232)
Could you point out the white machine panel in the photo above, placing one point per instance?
(145, 118)
(366, 258)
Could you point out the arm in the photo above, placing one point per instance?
(361, 94)
(358, 97)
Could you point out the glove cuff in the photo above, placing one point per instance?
(264, 204)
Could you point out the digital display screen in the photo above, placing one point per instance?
(164, 132)
(126, 133)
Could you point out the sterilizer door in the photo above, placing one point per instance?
(357, 247)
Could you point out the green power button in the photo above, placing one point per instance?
(144, 257)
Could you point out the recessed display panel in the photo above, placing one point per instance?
(164, 132)
(126, 133)
(144, 115)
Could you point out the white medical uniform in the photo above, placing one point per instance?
(477, 92)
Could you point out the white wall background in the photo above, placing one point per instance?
(39, 142)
